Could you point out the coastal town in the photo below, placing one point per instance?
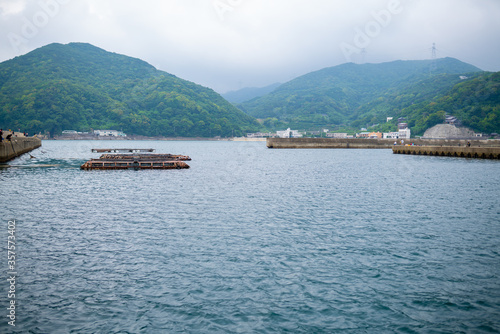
(451, 128)
(403, 132)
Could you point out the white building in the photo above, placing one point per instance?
(401, 134)
(405, 133)
(288, 134)
(337, 135)
(390, 135)
(109, 133)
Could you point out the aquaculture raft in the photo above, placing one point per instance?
(122, 150)
(137, 161)
(157, 156)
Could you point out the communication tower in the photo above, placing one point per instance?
(433, 51)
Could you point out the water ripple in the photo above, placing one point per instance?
(255, 240)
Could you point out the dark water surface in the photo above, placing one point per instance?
(252, 240)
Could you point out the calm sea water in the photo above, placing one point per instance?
(252, 240)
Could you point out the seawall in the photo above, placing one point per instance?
(288, 143)
(450, 151)
(18, 146)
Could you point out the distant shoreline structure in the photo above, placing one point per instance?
(247, 139)
(129, 138)
(330, 143)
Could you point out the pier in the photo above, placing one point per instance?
(17, 146)
(365, 143)
(288, 143)
(450, 151)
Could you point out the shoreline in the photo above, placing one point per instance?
(142, 138)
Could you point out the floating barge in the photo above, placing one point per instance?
(137, 161)
(145, 157)
(122, 150)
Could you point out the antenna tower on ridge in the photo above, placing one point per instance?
(433, 50)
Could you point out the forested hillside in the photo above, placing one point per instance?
(81, 87)
(354, 95)
(475, 101)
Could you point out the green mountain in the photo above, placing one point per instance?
(81, 87)
(248, 93)
(474, 100)
(346, 95)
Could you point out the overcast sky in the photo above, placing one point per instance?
(231, 44)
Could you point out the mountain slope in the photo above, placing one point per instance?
(248, 93)
(475, 101)
(81, 87)
(332, 95)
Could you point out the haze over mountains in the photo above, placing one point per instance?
(81, 87)
(248, 93)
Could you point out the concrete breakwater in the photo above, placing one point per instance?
(327, 143)
(19, 145)
(450, 151)
(289, 143)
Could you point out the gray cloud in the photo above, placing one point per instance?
(229, 44)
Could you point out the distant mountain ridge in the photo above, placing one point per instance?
(248, 93)
(341, 95)
(80, 87)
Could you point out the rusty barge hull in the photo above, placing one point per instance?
(136, 161)
(121, 150)
(128, 157)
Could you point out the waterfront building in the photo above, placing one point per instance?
(401, 134)
(337, 135)
(375, 135)
(391, 135)
(69, 132)
(109, 133)
(289, 134)
(405, 133)
(363, 135)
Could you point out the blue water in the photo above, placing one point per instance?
(253, 240)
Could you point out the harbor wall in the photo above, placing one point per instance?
(450, 151)
(357, 143)
(18, 146)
